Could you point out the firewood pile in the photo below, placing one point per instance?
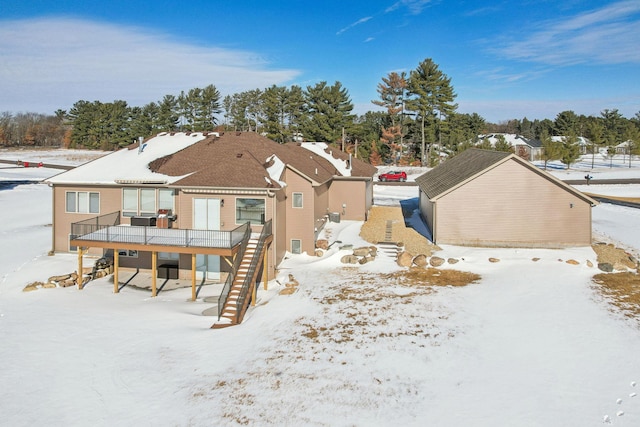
(102, 267)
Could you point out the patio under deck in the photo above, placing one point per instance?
(95, 233)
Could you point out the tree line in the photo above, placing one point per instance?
(416, 122)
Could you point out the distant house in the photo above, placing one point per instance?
(529, 149)
(185, 204)
(623, 147)
(583, 143)
(490, 198)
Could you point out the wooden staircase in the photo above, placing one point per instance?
(229, 312)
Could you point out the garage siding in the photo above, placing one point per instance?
(511, 205)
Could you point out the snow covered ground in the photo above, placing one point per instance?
(531, 344)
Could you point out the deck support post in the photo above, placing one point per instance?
(116, 263)
(154, 272)
(193, 277)
(80, 277)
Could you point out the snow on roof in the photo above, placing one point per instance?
(319, 148)
(510, 138)
(129, 166)
(275, 170)
(580, 140)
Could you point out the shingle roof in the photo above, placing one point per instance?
(472, 162)
(240, 159)
(457, 170)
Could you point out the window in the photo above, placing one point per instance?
(173, 256)
(297, 200)
(250, 210)
(82, 202)
(128, 253)
(148, 201)
(296, 246)
(141, 201)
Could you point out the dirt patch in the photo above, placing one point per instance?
(617, 257)
(386, 223)
(417, 276)
(622, 290)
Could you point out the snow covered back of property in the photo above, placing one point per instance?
(320, 148)
(131, 166)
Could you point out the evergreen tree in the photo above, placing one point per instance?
(328, 112)
(430, 97)
(551, 150)
(570, 149)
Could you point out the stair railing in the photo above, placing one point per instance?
(248, 280)
(222, 299)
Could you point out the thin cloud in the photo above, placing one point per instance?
(350, 26)
(415, 7)
(607, 35)
(369, 39)
(52, 63)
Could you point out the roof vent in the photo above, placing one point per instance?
(239, 155)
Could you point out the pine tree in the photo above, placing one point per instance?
(328, 112)
(431, 97)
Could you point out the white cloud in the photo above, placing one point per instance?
(415, 7)
(350, 26)
(607, 35)
(46, 64)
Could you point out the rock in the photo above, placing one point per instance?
(405, 259)
(349, 259)
(452, 260)
(605, 266)
(373, 251)
(494, 260)
(319, 253)
(572, 262)
(536, 259)
(287, 291)
(436, 261)
(49, 285)
(364, 260)
(59, 278)
(322, 244)
(589, 264)
(29, 288)
(361, 251)
(420, 260)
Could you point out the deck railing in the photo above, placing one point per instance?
(107, 229)
(93, 224)
(255, 260)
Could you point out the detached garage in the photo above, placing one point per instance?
(492, 198)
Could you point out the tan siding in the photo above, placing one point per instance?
(512, 205)
(110, 201)
(300, 221)
(349, 199)
(426, 209)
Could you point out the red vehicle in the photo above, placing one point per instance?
(393, 176)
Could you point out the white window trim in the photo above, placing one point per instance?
(77, 201)
(293, 200)
(138, 211)
(296, 240)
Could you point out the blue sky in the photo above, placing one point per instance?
(506, 59)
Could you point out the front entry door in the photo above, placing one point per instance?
(206, 216)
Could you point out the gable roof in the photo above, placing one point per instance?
(457, 170)
(472, 162)
(225, 160)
